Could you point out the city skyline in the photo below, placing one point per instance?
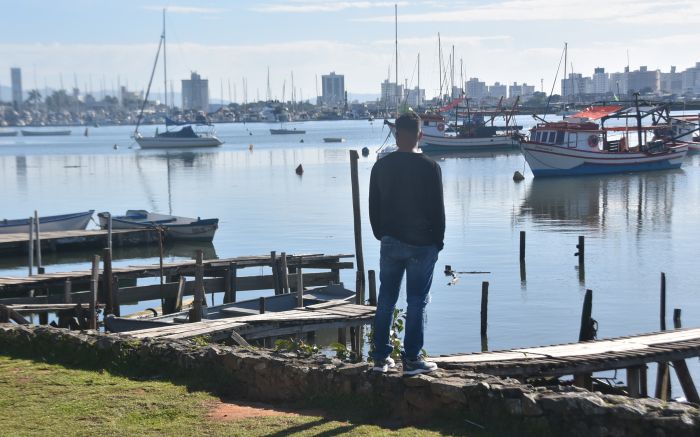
(514, 41)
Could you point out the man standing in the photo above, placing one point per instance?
(407, 213)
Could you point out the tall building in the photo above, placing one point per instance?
(691, 79)
(618, 83)
(644, 80)
(415, 97)
(333, 89)
(475, 89)
(497, 90)
(16, 77)
(523, 90)
(601, 81)
(672, 82)
(391, 93)
(195, 93)
(576, 85)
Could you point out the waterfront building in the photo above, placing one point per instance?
(16, 78)
(601, 81)
(195, 93)
(333, 89)
(671, 82)
(618, 83)
(576, 85)
(456, 92)
(523, 91)
(415, 97)
(691, 80)
(391, 94)
(644, 80)
(476, 89)
(498, 90)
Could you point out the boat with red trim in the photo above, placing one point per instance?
(579, 145)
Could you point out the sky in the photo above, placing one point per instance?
(114, 41)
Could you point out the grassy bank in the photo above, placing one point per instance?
(47, 399)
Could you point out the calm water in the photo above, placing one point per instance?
(636, 225)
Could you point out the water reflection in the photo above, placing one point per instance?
(630, 201)
(478, 154)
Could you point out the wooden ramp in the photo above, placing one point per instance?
(585, 357)
(333, 314)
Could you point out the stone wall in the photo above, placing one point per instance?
(502, 406)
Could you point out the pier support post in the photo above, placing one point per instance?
(92, 320)
(300, 286)
(484, 314)
(522, 246)
(283, 270)
(686, 381)
(633, 382)
(261, 305)
(663, 383)
(31, 246)
(359, 288)
(196, 312)
(228, 283)
(67, 290)
(275, 273)
(107, 281)
(357, 219)
(39, 266)
(372, 287)
(586, 333)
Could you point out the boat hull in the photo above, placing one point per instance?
(431, 143)
(54, 133)
(287, 132)
(64, 222)
(176, 143)
(12, 133)
(176, 228)
(547, 161)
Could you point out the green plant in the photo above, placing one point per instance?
(296, 346)
(342, 352)
(201, 340)
(398, 322)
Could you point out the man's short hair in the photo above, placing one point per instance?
(408, 122)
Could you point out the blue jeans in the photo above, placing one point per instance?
(418, 262)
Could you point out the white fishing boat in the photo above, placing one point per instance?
(580, 146)
(174, 227)
(64, 222)
(203, 135)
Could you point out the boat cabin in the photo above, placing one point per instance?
(579, 135)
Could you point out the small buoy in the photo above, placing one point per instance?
(299, 170)
(250, 147)
(365, 151)
(115, 147)
(517, 176)
(86, 131)
(250, 133)
(448, 269)
(301, 140)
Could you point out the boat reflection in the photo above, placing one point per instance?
(171, 251)
(629, 202)
(472, 154)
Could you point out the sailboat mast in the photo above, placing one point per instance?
(440, 66)
(396, 54)
(165, 65)
(566, 49)
(418, 83)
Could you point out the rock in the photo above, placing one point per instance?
(417, 381)
(449, 389)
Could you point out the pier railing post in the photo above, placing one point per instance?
(92, 321)
(39, 266)
(31, 246)
(108, 281)
(284, 272)
(357, 218)
(522, 246)
(372, 287)
(586, 333)
(300, 287)
(484, 312)
(196, 312)
(275, 273)
(663, 383)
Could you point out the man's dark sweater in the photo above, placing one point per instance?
(406, 201)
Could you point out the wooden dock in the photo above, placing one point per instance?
(326, 315)
(18, 244)
(632, 353)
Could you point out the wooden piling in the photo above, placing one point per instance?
(677, 318)
(581, 246)
(196, 312)
(109, 230)
(359, 288)
(663, 383)
(234, 281)
(39, 266)
(31, 246)
(372, 288)
(357, 219)
(284, 272)
(275, 273)
(92, 320)
(633, 382)
(484, 307)
(67, 289)
(300, 287)
(180, 292)
(107, 281)
(522, 246)
(4, 314)
(228, 282)
(261, 305)
(586, 332)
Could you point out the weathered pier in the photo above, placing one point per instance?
(631, 353)
(18, 244)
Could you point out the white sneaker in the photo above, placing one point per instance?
(384, 366)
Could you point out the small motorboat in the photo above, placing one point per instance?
(8, 133)
(273, 304)
(45, 133)
(333, 140)
(175, 228)
(287, 131)
(65, 222)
